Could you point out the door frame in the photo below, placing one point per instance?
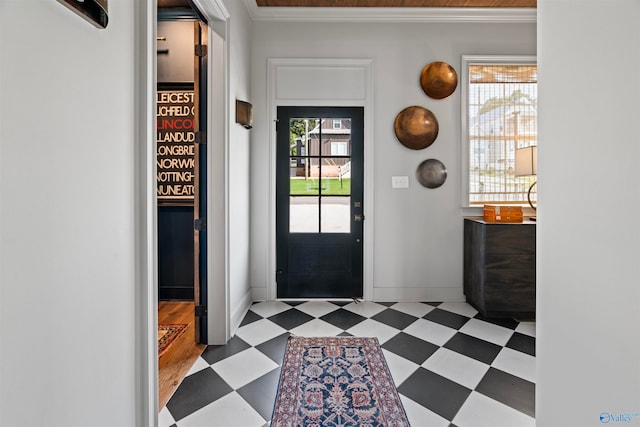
(145, 210)
(362, 67)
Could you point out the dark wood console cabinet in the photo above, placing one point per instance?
(500, 268)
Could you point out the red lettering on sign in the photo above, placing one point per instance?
(174, 124)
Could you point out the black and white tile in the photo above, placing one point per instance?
(452, 367)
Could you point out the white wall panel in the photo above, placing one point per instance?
(588, 274)
(319, 82)
(67, 249)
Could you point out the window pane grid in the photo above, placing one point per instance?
(502, 115)
(320, 175)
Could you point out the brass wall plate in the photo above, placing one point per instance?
(244, 114)
(438, 80)
(416, 127)
(431, 173)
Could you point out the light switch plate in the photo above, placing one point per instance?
(399, 182)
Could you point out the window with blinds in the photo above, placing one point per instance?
(501, 117)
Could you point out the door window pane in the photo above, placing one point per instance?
(319, 175)
(303, 214)
(304, 177)
(336, 215)
(336, 141)
(336, 176)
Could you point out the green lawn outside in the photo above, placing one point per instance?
(330, 186)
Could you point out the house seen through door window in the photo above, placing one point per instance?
(320, 183)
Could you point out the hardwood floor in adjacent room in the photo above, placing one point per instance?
(176, 361)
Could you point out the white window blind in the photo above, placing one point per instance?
(501, 117)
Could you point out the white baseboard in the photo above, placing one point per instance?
(418, 294)
(240, 311)
(389, 294)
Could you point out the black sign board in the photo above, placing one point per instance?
(175, 138)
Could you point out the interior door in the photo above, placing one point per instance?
(319, 206)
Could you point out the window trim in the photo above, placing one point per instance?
(466, 61)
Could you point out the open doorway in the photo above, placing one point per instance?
(181, 191)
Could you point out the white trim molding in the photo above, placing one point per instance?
(212, 9)
(406, 294)
(240, 311)
(146, 359)
(391, 14)
(218, 282)
(365, 67)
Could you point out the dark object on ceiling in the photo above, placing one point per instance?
(438, 80)
(416, 127)
(431, 173)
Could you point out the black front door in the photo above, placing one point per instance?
(319, 206)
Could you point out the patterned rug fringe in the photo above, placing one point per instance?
(168, 334)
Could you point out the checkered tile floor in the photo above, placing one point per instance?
(452, 367)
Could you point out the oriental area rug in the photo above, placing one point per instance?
(168, 334)
(336, 381)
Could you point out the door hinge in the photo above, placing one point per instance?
(201, 137)
(201, 50)
(200, 224)
(201, 310)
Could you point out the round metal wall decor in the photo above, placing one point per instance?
(416, 127)
(438, 80)
(431, 173)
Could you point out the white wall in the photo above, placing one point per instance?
(67, 249)
(588, 337)
(417, 251)
(238, 171)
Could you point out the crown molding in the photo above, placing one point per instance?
(213, 9)
(390, 14)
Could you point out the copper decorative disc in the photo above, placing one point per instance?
(416, 127)
(438, 80)
(431, 173)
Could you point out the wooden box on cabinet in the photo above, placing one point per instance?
(500, 268)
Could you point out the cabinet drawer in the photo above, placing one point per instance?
(510, 239)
